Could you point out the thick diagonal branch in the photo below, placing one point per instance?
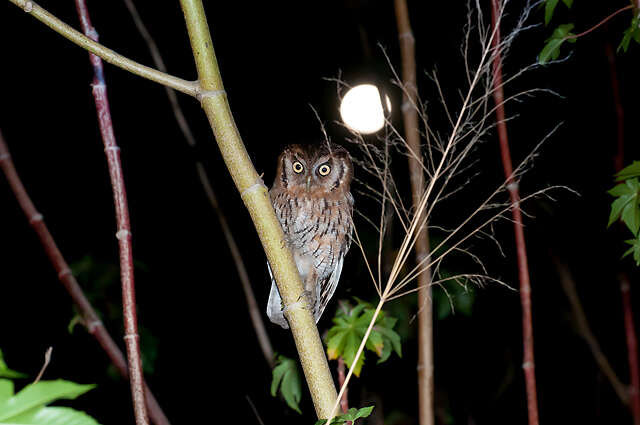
(256, 199)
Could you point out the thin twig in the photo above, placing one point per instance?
(523, 269)
(123, 234)
(599, 24)
(188, 87)
(47, 360)
(584, 330)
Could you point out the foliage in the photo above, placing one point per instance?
(350, 326)
(5, 372)
(551, 50)
(29, 405)
(287, 381)
(351, 415)
(626, 206)
(631, 33)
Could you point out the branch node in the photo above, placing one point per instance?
(62, 273)
(253, 188)
(5, 157)
(203, 94)
(131, 336)
(300, 304)
(112, 148)
(28, 7)
(122, 234)
(513, 187)
(35, 217)
(91, 326)
(408, 35)
(527, 365)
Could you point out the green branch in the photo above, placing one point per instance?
(107, 55)
(256, 199)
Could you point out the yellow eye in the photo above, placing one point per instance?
(298, 167)
(324, 170)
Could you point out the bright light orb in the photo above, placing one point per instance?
(361, 109)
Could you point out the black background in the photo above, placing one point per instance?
(274, 57)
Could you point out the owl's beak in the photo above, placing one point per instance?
(308, 183)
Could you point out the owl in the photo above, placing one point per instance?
(311, 198)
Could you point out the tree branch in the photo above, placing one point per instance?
(422, 248)
(256, 199)
(123, 234)
(108, 55)
(528, 364)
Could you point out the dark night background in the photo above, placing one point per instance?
(273, 58)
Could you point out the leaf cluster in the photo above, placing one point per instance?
(30, 405)
(350, 325)
(626, 206)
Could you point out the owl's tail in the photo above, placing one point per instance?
(274, 305)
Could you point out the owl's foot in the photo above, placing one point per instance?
(305, 300)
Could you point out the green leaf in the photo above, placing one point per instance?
(286, 378)
(351, 324)
(549, 7)
(53, 416)
(551, 50)
(5, 372)
(631, 216)
(6, 390)
(40, 394)
(351, 415)
(635, 250)
(568, 3)
(631, 33)
(629, 171)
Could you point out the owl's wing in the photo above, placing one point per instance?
(327, 287)
(274, 305)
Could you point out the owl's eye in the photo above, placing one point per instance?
(298, 167)
(324, 169)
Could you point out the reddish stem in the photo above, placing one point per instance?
(123, 234)
(632, 349)
(630, 331)
(90, 318)
(528, 364)
(599, 24)
(344, 402)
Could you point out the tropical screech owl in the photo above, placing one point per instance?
(311, 198)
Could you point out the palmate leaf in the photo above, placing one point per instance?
(635, 250)
(626, 207)
(631, 33)
(351, 415)
(350, 326)
(551, 50)
(28, 405)
(628, 172)
(286, 380)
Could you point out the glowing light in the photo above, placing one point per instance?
(361, 109)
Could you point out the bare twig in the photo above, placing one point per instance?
(583, 328)
(416, 173)
(523, 269)
(47, 360)
(123, 234)
(344, 400)
(90, 318)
